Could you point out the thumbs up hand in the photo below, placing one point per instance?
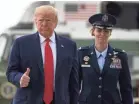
(25, 79)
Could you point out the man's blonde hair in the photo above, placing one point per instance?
(44, 9)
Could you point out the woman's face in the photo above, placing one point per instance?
(101, 35)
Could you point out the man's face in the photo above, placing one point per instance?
(46, 23)
(101, 35)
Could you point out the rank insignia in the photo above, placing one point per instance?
(115, 53)
(110, 54)
(92, 53)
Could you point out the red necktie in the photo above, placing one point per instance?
(48, 74)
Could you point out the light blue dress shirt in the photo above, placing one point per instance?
(101, 58)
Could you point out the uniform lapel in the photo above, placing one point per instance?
(108, 59)
(38, 53)
(94, 62)
(59, 55)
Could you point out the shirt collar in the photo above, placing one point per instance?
(104, 53)
(52, 38)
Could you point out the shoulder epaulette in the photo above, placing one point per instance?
(119, 50)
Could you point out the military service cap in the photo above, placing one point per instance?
(100, 20)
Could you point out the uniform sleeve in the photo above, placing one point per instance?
(125, 81)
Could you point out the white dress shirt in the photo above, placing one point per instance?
(53, 47)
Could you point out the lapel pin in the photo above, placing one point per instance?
(62, 46)
(110, 54)
(91, 53)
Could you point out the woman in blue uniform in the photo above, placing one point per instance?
(104, 72)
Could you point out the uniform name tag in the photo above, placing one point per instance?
(83, 65)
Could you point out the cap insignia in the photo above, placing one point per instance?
(105, 18)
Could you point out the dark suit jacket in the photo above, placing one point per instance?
(26, 52)
(112, 85)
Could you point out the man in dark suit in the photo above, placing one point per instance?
(44, 65)
(104, 70)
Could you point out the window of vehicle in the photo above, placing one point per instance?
(3, 41)
(127, 13)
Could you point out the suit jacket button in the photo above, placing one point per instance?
(100, 86)
(100, 78)
(99, 96)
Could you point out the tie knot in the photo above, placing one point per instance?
(48, 40)
(100, 56)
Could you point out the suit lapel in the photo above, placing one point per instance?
(94, 62)
(59, 50)
(108, 59)
(38, 53)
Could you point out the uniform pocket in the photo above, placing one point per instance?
(116, 98)
(82, 99)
